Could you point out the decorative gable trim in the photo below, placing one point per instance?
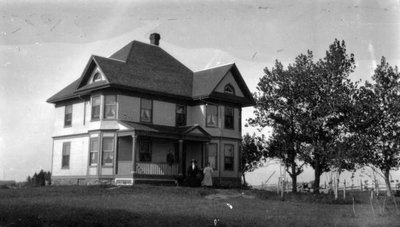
(90, 70)
(240, 82)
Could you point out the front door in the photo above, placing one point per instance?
(124, 156)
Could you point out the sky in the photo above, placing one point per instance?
(45, 45)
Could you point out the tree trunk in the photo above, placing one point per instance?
(387, 181)
(317, 175)
(294, 177)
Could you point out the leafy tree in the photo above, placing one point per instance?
(379, 119)
(281, 104)
(329, 106)
(252, 154)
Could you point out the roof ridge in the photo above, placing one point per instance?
(219, 66)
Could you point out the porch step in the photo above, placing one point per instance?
(123, 181)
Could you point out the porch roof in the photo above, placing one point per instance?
(192, 132)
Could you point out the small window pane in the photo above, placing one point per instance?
(96, 108)
(212, 155)
(108, 144)
(94, 148)
(146, 104)
(229, 117)
(108, 151)
(229, 89)
(212, 116)
(65, 155)
(180, 115)
(229, 156)
(110, 106)
(68, 116)
(146, 110)
(110, 99)
(96, 77)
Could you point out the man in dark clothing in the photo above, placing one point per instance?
(194, 178)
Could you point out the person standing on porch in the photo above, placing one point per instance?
(193, 173)
(207, 180)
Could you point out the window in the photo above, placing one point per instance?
(212, 155)
(97, 77)
(180, 115)
(110, 106)
(144, 151)
(66, 149)
(68, 116)
(211, 116)
(229, 117)
(229, 89)
(108, 151)
(96, 108)
(228, 157)
(94, 151)
(146, 110)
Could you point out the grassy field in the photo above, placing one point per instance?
(146, 205)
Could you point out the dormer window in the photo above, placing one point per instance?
(229, 89)
(97, 77)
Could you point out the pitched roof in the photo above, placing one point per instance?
(146, 67)
(205, 81)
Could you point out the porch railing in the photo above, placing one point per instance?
(156, 168)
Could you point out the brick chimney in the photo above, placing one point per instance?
(155, 39)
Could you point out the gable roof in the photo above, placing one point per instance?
(206, 81)
(147, 67)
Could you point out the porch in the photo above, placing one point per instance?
(145, 153)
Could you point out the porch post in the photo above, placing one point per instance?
(134, 137)
(181, 161)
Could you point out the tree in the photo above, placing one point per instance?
(280, 104)
(251, 153)
(379, 119)
(329, 106)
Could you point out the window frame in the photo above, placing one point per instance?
(216, 116)
(177, 115)
(92, 107)
(66, 116)
(231, 158)
(95, 79)
(106, 105)
(216, 155)
(226, 117)
(149, 152)
(103, 151)
(65, 155)
(229, 86)
(91, 150)
(151, 110)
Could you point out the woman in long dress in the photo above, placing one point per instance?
(207, 180)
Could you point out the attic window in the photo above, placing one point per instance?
(229, 89)
(97, 77)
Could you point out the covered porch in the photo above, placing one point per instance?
(153, 152)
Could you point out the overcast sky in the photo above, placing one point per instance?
(45, 45)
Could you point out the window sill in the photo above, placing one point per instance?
(67, 126)
(65, 168)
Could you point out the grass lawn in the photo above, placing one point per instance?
(146, 205)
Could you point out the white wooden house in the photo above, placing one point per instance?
(126, 113)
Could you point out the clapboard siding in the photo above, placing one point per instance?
(78, 157)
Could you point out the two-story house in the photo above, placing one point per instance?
(141, 115)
